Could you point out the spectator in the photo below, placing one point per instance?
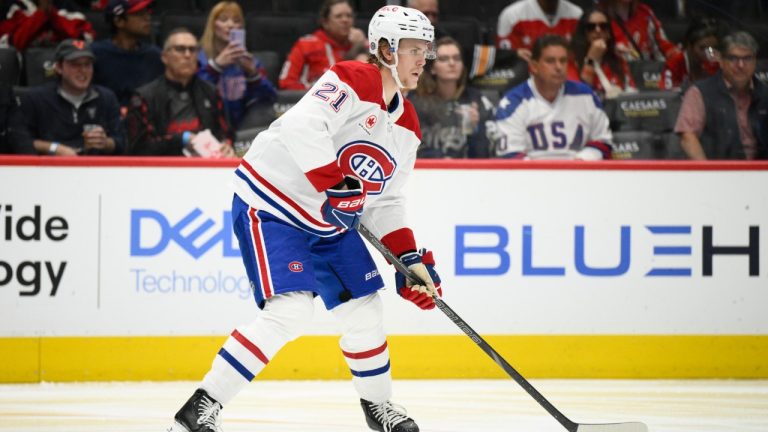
(637, 31)
(315, 53)
(452, 114)
(725, 116)
(127, 60)
(72, 116)
(595, 60)
(165, 115)
(522, 22)
(31, 23)
(699, 58)
(549, 117)
(430, 8)
(239, 76)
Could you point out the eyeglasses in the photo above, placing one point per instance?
(594, 26)
(731, 58)
(418, 52)
(181, 49)
(446, 58)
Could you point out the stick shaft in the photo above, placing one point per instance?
(476, 338)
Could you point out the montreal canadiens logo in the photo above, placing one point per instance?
(370, 122)
(296, 267)
(369, 162)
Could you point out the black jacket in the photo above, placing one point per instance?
(149, 114)
(720, 138)
(48, 116)
(9, 118)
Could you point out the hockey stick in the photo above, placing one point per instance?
(476, 338)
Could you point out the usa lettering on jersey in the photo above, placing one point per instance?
(530, 126)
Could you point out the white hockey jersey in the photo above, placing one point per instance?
(574, 126)
(341, 126)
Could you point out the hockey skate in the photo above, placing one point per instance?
(386, 417)
(199, 414)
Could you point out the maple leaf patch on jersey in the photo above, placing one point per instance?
(369, 162)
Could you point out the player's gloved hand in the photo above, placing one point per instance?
(344, 205)
(423, 265)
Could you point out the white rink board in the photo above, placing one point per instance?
(104, 289)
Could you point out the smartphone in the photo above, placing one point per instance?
(237, 36)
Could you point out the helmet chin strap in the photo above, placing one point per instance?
(392, 70)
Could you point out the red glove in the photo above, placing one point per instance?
(423, 265)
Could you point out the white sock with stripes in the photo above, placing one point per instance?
(249, 348)
(364, 345)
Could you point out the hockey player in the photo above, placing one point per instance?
(549, 117)
(340, 156)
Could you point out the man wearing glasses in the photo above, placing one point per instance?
(725, 116)
(165, 115)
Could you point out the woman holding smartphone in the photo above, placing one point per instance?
(225, 61)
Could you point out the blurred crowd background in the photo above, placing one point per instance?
(260, 56)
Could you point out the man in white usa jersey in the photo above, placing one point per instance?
(339, 157)
(549, 117)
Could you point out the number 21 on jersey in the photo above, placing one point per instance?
(329, 91)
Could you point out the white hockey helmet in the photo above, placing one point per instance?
(396, 22)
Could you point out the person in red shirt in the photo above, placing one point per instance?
(637, 31)
(43, 23)
(699, 58)
(522, 22)
(313, 54)
(595, 60)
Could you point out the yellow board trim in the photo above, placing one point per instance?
(413, 357)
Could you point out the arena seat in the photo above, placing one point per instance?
(675, 29)
(486, 10)
(466, 31)
(368, 7)
(669, 147)
(99, 23)
(165, 6)
(646, 74)
(653, 111)
(761, 70)
(310, 7)
(10, 70)
(194, 22)
(271, 62)
(286, 99)
(257, 117)
(276, 33)
(38, 65)
(249, 6)
(635, 145)
(663, 8)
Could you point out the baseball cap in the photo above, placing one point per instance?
(122, 7)
(70, 49)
